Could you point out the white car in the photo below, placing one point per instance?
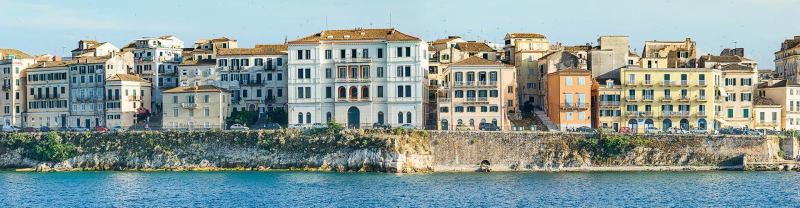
(239, 127)
(7, 128)
(407, 126)
(696, 130)
(651, 130)
(297, 126)
(319, 126)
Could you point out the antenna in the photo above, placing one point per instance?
(734, 44)
(390, 20)
(326, 22)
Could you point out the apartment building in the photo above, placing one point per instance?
(90, 48)
(767, 114)
(195, 107)
(572, 57)
(87, 76)
(786, 96)
(47, 99)
(126, 97)
(670, 97)
(13, 63)
(156, 59)
(610, 54)
(669, 54)
(523, 50)
(207, 48)
(606, 104)
(569, 100)
(255, 77)
(358, 77)
(740, 76)
(482, 91)
(787, 60)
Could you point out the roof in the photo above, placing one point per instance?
(578, 48)
(200, 88)
(725, 58)
(90, 46)
(526, 35)
(193, 62)
(731, 67)
(274, 47)
(474, 47)
(10, 51)
(630, 54)
(264, 50)
(356, 34)
(478, 61)
(781, 83)
(444, 40)
(90, 59)
(763, 101)
(49, 64)
(126, 77)
(573, 70)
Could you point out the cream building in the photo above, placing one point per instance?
(358, 77)
(125, 96)
(670, 97)
(787, 96)
(87, 76)
(90, 48)
(787, 60)
(482, 91)
(606, 106)
(255, 77)
(207, 48)
(195, 107)
(523, 50)
(669, 54)
(767, 114)
(156, 60)
(739, 81)
(13, 63)
(48, 95)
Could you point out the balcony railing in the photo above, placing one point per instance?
(631, 83)
(768, 123)
(684, 82)
(477, 100)
(648, 82)
(353, 99)
(684, 98)
(574, 106)
(701, 113)
(443, 100)
(638, 114)
(189, 105)
(353, 80)
(701, 98)
(352, 60)
(630, 98)
(6, 87)
(647, 98)
(701, 83)
(667, 83)
(609, 103)
(486, 83)
(675, 113)
(667, 98)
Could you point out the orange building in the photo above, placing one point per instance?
(569, 97)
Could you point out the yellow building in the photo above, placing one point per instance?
(607, 110)
(786, 95)
(767, 114)
(523, 50)
(126, 95)
(667, 98)
(196, 107)
(47, 95)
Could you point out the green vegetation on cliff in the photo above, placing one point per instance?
(605, 146)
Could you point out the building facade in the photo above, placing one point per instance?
(255, 77)
(48, 95)
(482, 91)
(787, 60)
(156, 60)
(569, 98)
(523, 50)
(195, 107)
(126, 96)
(787, 96)
(13, 63)
(358, 77)
(87, 76)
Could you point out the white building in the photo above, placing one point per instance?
(156, 60)
(358, 77)
(89, 48)
(87, 77)
(12, 99)
(255, 77)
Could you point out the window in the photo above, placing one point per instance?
(328, 73)
(328, 54)
(399, 51)
(380, 91)
(408, 117)
(444, 109)
(581, 81)
(300, 56)
(459, 109)
(379, 71)
(380, 53)
(400, 117)
(746, 113)
(399, 91)
(730, 113)
(568, 81)
(328, 92)
(300, 74)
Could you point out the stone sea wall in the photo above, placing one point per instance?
(387, 151)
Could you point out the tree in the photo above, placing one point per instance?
(278, 116)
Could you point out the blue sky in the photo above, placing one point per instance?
(55, 26)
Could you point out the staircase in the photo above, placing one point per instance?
(542, 117)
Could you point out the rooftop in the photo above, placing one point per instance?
(525, 35)
(4, 52)
(126, 77)
(201, 88)
(356, 34)
(258, 50)
(478, 61)
(474, 47)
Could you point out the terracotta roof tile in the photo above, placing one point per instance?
(201, 88)
(474, 47)
(250, 51)
(763, 101)
(4, 52)
(526, 35)
(478, 61)
(356, 34)
(126, 77)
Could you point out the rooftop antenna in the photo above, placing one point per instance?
(390, 20)
(734, 44)
(326, 22)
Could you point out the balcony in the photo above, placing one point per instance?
(574, 106)
(684, 83)
(684, 98)
(352, 80)
(667, 98)
(702, 98)
(639, 114)
(701, 83)
(630, 83)
(189, 105)
(6, 87)
(701, 114)
(486, 83)
(668, 83)
(772, 123)
(609, 103)
(647, 98)
(477, 100)
(647, 82)
(352, 60)
(630, 98)
(443, 100)
(353, 99)
(675, 113)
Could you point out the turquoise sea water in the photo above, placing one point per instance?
(318, 189)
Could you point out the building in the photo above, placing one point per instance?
(195, 107)
(207, 48)
(568, 102)
(572, 57)
(523, 50)
(87, 77)
(787, 96)
(89, 48)
(482, 91)
(13, 63)
(358, 77)
(669, 54)
(611, 54)
(126, 96)
(253, 76)
(664, 98)
(740, 77)
(606, 104)
(767, 114)
(157, 60)
(787, 60)
(47, 99)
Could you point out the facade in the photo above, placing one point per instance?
(669, 54)
(255, 77)
(787, 60)
(358, 77)
(671, 97)
(195, 107)
(611, 54)
(90, 48)
(126, 96)
(87, 76)
(606, 104)
(482, 91)
(787, 96)
(207, 48)
(767, 114)
(48, 95)
(556, 61)
(569, 100)
(523, 50)
(13, 63)
(156, 60)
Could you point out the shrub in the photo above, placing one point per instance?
(608, 146)
(51, 148)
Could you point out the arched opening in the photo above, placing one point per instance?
(353, 92)
(308, 117)
(649, 123)
(342, 92)
(300, 117)
(460, 122)
(380, 117)
(483, 120)
(472, 122)
(633, 125)
(365, 92)
(353, 117)
(400, 117)
(251, 107)
(408, 117)
(702, 124)
(684, 124)
(666, 124)
(494, 121)
(329, 116)
(444, 124)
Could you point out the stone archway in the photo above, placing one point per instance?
(353, 117)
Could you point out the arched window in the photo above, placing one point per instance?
(400, 117)
(308, 117)
(329, 116)
(364, 92)
(444, 124)
(353, 92)
(483, 120)
(460, 121)
(471, 122)
(494, 121)
(408, 117)
(342, 92)
(300, 117)
(380, 117)
(666, 124)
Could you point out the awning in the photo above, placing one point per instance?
(722, 92)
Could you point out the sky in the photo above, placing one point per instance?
(54, 27)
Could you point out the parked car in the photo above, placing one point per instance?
(607, 130)
(651, 130)
(101, 129)
(63, 129)
(319, 126)
(698, 130)
(79, 129)
(752, 132)
(118, 129)
(30, 129)
(407, 126)
(238, 127)
(584, 129)
(624, 130)
(9, 128)
(462, 127)
(45, 129)
(381, 126)
(488, 127)
(272, 126)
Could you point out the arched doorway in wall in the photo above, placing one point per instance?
(353, 117)
(251, 107)
(666, 124)
(684, 124)
(444, 124)
(649, 123)
(380, 117)
(633, 125)
(702, 124)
